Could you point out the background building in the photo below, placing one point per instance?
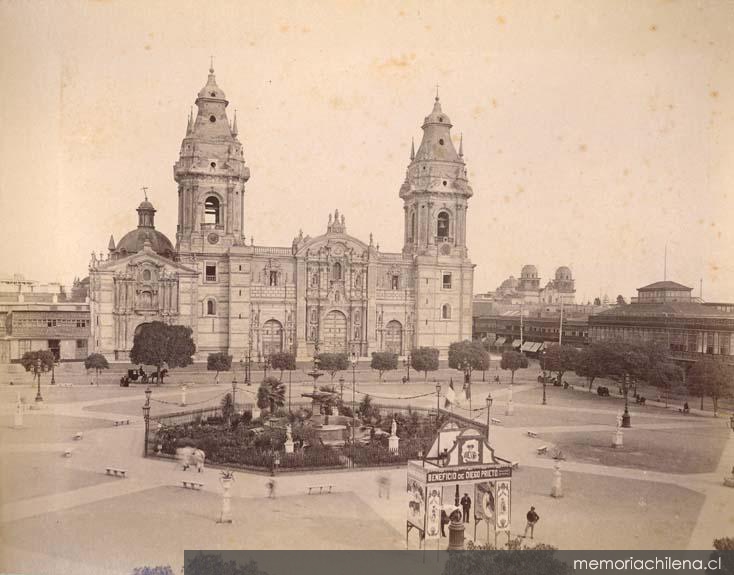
(37, 316)
(527, 289)
(666, 312)
(331, 292)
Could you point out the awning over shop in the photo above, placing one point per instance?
(536, 347)
(516, 343)
(542, 346)
(528, 346)
(500, 341)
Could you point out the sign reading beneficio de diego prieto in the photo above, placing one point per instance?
(468, 474)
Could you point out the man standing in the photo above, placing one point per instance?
(532, 518)
(466, 506)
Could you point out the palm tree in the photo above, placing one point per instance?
(271, 394)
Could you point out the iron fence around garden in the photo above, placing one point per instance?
(350, 456)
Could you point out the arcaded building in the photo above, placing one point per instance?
(328, 290)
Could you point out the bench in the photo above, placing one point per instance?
(321, 489)
(122, 422)
(532, 434)
(78, 436)
(542, 450)
(192, 484)
(496, 421)
(515, 464)
(116, 472)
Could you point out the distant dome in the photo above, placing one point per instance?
(133, 242)
(529, 272)
(564, 274)
(509, 284)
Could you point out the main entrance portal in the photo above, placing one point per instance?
(334, 333)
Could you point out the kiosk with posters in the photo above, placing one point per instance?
(462, 479)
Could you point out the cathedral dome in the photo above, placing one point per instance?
(509, 284)
(134, 241)
(529, 272)
(563, 274)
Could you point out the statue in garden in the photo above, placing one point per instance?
(394, 428)
(289, 433)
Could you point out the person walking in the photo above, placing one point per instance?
(532, 518)
(466, 506)
(383, 486)
(444, 522)
(271, 488)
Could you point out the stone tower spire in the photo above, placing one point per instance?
(211, 175)
(436, 191)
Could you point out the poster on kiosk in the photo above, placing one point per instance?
(460, 459)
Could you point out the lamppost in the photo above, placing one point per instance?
(729, 481)
(489, 407)
(406, 361)
(266, 366)
(37, 370)
(146, 417)
(354, 360)
(341, 389)
(234, 393)
(626, 415)
(53, 372)
(545, 377)
(438, 407)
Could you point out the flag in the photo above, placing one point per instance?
(450, 395)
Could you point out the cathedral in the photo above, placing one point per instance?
(329, 292)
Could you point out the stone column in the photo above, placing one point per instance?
(510, 408)
(18, 416)
(557, 489)
(226, 515)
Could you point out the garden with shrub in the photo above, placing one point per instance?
(238, 440)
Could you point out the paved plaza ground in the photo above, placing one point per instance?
(64, 515)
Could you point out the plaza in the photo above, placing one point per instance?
(64, 514)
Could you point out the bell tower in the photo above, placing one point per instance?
(211, 176)
(435, 192)
(435, 197)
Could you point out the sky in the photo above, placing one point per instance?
(595, 133)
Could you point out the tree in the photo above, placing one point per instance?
(328, 399)
(383, 361)
(283, 360)
(333, 363)
(597, 301)
(560, 359)
(667, 376)
(368, 411)
(424, 359)
(228, 407)
(156, 343)
(30, 359)
(621, 300)
(512, 361)
(466, 356)
(592, 362)
(713, 378)
(97, 362)
(271, 394)
(219, 361)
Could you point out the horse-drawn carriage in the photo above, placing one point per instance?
(140, 376)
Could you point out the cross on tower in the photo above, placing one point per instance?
(145, 192)
(436, 92)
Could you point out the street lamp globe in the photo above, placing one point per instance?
(148, 393)
(489, 401)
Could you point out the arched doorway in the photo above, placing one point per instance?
(334, 333)
(272, 337)
(394, 337)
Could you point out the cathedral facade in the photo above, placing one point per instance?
(330, 292)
